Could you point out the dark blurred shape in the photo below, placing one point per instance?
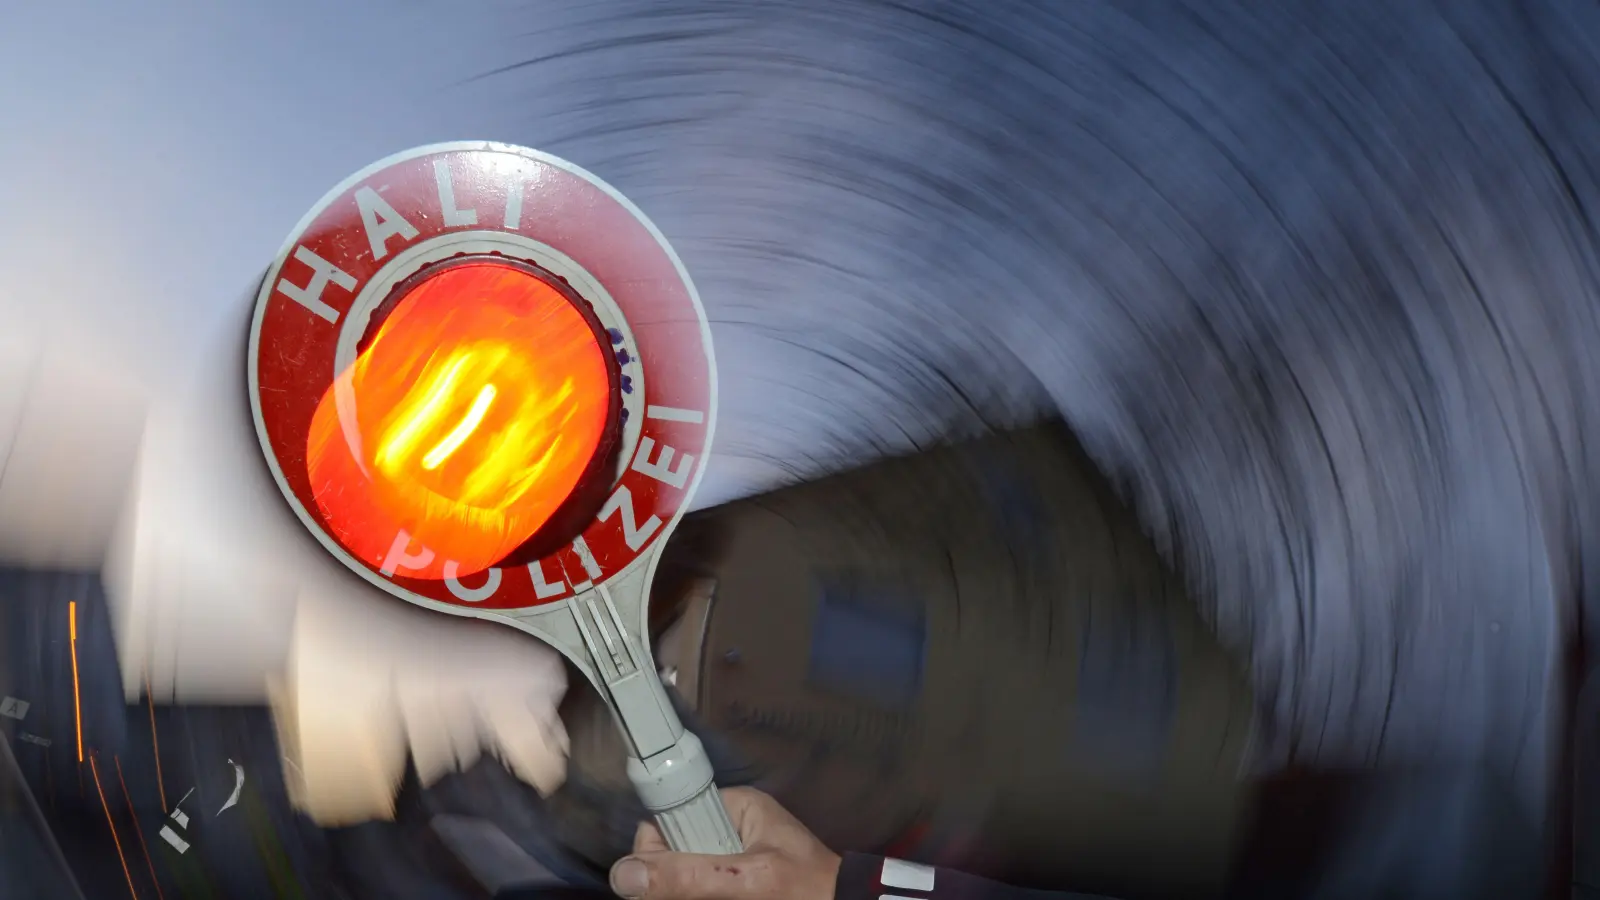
(494, 860)
(864, 647)
(489, 794)
(1447, 833)
(970, 656)
(31, 864)
(1586, 793)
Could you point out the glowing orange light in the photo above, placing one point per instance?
(126, 872)
(77, 703)
(475, 411)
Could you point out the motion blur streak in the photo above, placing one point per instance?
(1316, 283)
(362, 690)
(155, 743)
(77, 702)
(111, 823)
(220, 596)
(137, 831)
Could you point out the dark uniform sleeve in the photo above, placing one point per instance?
(863, 877)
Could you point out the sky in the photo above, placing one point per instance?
(157, 156)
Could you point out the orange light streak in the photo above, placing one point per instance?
(139, 832)
(155, 741)
(77, 705)
(118, 840)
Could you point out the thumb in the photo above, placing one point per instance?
(691, 876)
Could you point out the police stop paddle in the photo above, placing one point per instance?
(484, 382)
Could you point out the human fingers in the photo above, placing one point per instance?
(748, 809)
(760, 819)
(695, 876)
(648, 839)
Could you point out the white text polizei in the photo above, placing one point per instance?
(620, 506)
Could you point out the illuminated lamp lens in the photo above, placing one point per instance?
(471, 415)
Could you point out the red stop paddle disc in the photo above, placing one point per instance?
(481, 377)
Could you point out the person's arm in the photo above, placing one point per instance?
(784, 861)
(863, 877)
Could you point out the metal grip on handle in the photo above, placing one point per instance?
(700, 826)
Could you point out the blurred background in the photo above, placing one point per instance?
(1155, 453)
